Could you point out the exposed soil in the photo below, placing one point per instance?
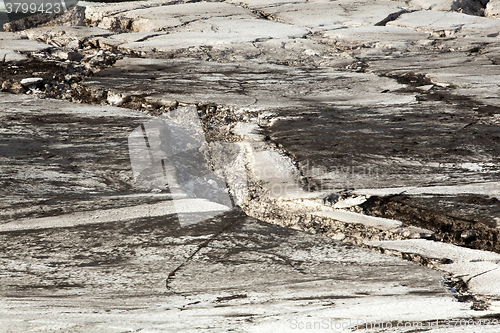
(59, 78)
(451, 218)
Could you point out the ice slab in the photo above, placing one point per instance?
(352, 217)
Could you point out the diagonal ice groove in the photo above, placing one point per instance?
(203, 245)
(392, 17)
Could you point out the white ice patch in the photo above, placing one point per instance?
(350, 202)
(351, 217)
(31, 80)
(249, 131)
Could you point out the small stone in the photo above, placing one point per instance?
(469, 235)
(331, 199)
(65, 55)
(74, 44)
(419, 235)
(31, 81)
(340, 236)
(74, 56)
(6, 84)
(161, 101)
(492, 9)
(117, 99)
(71, 77)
